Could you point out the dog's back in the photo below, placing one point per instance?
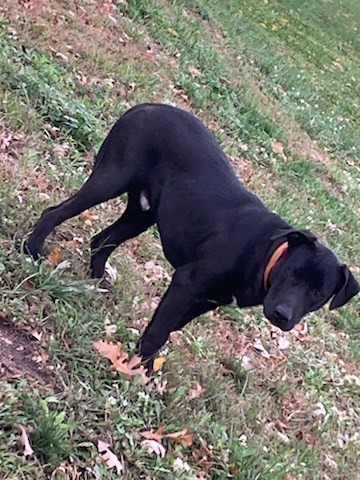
(182, 172)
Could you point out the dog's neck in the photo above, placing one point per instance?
(276, 255)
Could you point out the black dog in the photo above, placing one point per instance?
(226, 246)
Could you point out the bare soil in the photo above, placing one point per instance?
(20, 356)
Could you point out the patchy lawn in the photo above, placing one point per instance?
(277, 83)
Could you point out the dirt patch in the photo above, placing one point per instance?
(20, 355)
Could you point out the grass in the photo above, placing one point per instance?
(255, 73)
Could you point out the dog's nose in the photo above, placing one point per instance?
(283, 313)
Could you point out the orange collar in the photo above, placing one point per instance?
(272, 262)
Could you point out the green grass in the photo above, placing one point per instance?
(255, 73)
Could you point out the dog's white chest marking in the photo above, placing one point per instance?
(144, 202)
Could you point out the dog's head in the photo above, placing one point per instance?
(307, 275)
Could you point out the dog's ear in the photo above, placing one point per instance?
(295, 237)
(347, 288)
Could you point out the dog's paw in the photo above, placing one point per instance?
(30, 248)
(146, 360)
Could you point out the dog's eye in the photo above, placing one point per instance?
(318, 293)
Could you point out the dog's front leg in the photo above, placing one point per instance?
(178, 306)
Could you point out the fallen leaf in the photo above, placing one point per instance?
(182, 436)
(278, 148)
(108, 350)
(283, 437)
(178, 437)
(7, 138)
(173, 32)
(337, 64)
(329, 461)
(89, 216)
(37, 335)
(109, 457)
(179, 465)
(24, 440)
(158, 385)
(283, 343)
(55, 256)
(319, 410)
(152, 446)
(110, 328)
(54, 131)
(204, 457)
(352, 379)
(195, 72)
(151, 435)
(196, 392)
(155, 272)
(246, 363)
(158, 363)
(73, 244)
(120, 359)
(61, 149)
(62, 56)
(69, 471)
(299, 327)
(260, 347)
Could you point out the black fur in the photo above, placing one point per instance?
(217, 235)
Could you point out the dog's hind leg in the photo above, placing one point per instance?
(133, 222)
(103, 184)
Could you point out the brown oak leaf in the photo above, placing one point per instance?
(120, 359)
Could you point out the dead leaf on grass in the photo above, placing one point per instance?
(155, 272)
(179, 465)
(110, 328)
(182, 436)
(152, 446)
(278, 148)
(319, 410)
(204, 457)
(109, 457)
(157, 385)
(62, 56)
(178, 437)
(330, 462)
(301, 332)
(73, 244)
(195, 72)
(55, 256)
(24, 440)
(7, 138)
(151, 435)
(61, 149)
(120, 359)
(283, 437)
(283, 343)
(89, 216)
(352, 379)
(158, 363)
(246, 363)
(69, 471)
(196, 392)
(260, 348)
